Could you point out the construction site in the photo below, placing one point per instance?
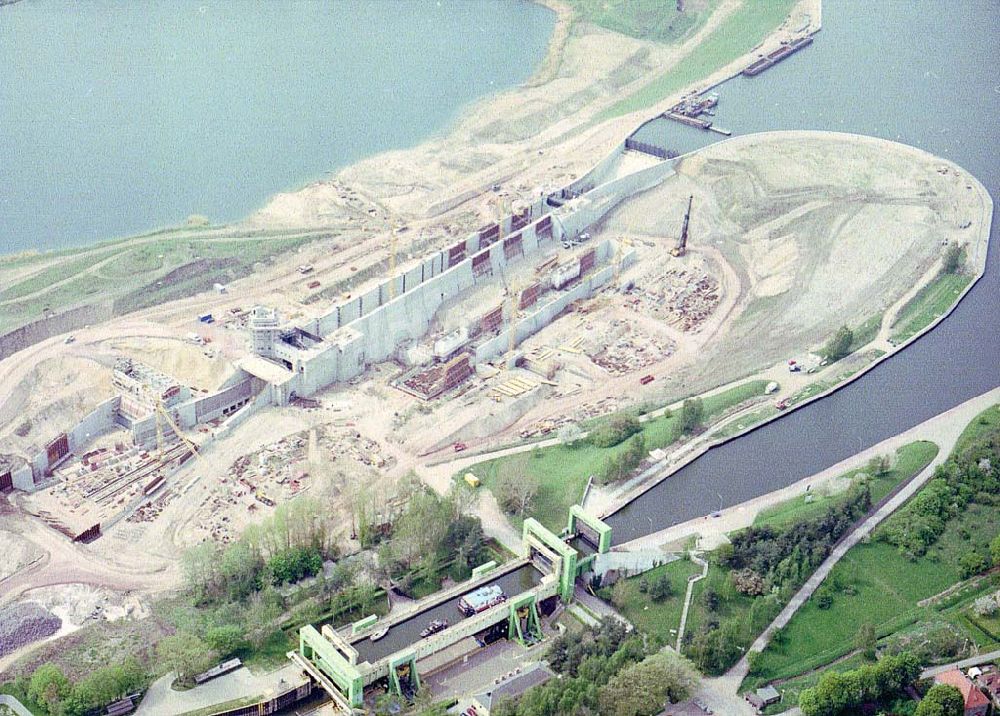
(644, 279)
(624, 282)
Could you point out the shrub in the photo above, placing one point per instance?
(954, 258)
(661, 588)
(616, 429)
(749, 582)
(840, 344)
(985, 606)
(692, 415)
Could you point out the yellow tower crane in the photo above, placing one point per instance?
(392, 263)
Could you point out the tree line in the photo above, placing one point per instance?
(971, 475)
(767, 564)
(606, 671)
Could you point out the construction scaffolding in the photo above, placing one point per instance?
(428, 383)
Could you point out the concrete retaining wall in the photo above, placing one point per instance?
(548, 312)
(23, 478)
(97, 422)
(100, 420)
(45, 328)
(378, 325)
(599, 173)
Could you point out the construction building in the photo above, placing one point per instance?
(520, 255)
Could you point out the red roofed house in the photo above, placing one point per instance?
(976, 703)
(989, 679)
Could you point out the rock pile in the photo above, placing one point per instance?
(24, 623)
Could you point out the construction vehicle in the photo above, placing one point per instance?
(682, 243)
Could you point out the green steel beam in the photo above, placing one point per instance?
(568, 556)
(314, 647)
(482, 569)
(603, 530)
(524, 606)
(410, 661)
(362, 624)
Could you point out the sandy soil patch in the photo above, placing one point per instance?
(196, 366)
(17, 553)
(51, 399)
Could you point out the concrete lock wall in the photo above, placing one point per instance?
(406, 317)
(262, 400)
(23, 478)
(543, 316)
(100, 420)
(599, 173)
(144, 431)
(631, 184)
(214, 406)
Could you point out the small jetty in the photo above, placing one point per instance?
(689, 111)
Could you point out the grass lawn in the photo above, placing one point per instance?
(131, 273)
(866, 332)
(744, 422)
(645, 19)
(742, 30)
(931, 301)
(887, 589)
(791, 689)
(658, 618)
(909, 460)
(986, 420)
(562, 471)
(731, 602)
(47, 277)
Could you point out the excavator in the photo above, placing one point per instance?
(682, 243)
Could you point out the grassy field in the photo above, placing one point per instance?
(866, 332)
(877, 584)
(657, 618)
(562, 471)
(735, 36)
(931, 301)
(646, 19)
(909, 460)
(129, 271)
(986, 420)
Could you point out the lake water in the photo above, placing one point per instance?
(900, 70)
(116, 118)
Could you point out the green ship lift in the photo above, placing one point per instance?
(332, 662)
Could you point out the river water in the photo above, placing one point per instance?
(119, 117)
(901, 70)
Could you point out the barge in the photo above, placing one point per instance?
(772, 58)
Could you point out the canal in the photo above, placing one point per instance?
(901, 70)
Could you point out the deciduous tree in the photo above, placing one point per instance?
(941, 700)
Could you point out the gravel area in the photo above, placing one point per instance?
(22, 624)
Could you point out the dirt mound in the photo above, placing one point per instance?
(51, 399)
(179, 359)
(17, 553)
